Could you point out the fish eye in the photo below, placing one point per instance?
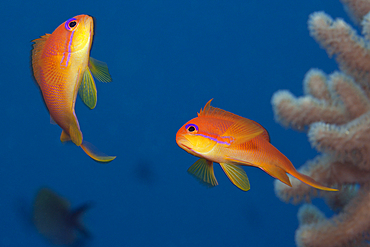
(71, 24)
(191, 128)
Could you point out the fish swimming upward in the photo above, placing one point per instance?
(232, 141)
(62, 67)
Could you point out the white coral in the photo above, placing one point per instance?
(336, 112)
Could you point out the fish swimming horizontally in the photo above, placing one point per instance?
(232, 141)
(56, 221)
(62, 67)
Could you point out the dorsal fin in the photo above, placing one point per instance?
(210, 111)
(243, 130)
(38, 47)
(265, 133)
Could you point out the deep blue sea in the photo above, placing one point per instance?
(167, 59)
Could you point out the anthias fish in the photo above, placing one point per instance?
(232, 141)
(55, 220)
(62, 67)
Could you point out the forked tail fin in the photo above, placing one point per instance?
(91, 151)
(76, 221)
(310, 181)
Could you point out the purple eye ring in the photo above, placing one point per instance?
(71, 24)
(192, 128)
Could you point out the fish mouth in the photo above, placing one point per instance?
(90, 21)
(185, 147)
(181, 142)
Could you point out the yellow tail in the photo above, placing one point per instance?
(281, 174)
(90, 150)
(310, 181)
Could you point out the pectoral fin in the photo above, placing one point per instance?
(203, 170)
(242, 131)
(87, 90)
(237, 176)
(99, 70)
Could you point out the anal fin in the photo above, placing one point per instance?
(277, 173)
(75, 134)
(237, 176)
(64, 137)
(272, 170)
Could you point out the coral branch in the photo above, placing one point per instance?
(349, 142)
(316, 85)
(321, 105)
(354, 99)
(357, 9)
(338, 38)
(301, 112)
(348, 228)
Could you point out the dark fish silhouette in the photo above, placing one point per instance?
(54, 219)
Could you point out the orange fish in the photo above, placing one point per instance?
(232, 141)
(62, 66)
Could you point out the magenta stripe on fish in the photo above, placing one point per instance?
(68, 51)
(214, 139)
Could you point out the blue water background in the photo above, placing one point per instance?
(167, 59)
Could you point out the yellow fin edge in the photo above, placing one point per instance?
(237, 176)
(90, 150)
(203, 171)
